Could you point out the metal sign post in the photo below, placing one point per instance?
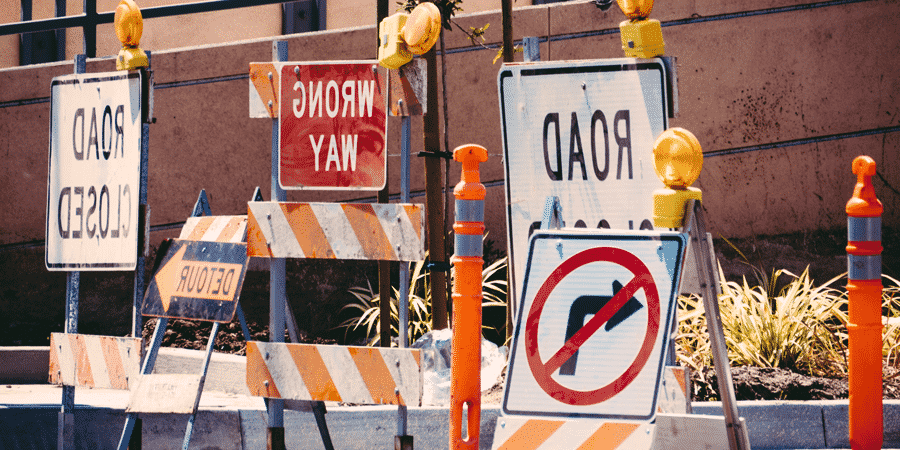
(277, 289)
(704, 255)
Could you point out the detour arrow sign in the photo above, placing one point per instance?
(199, 280)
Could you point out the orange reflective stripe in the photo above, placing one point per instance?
(368, 230)
(314, 372)
(531, 435)
(258, 373)
(84, 377)
(256, 241)
(377, 377)
(415, 218)
(307, 230)
(609, 436)
(231, 228)
(202, 225)
(114, 367)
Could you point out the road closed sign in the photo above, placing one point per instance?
(582, 131)
(94, 171)
(591, 337)
(332, 127)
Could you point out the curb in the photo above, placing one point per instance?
(771, 424)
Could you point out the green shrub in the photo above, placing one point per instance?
(368, 303)
(802, 328)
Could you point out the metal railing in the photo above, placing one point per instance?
(89, 20)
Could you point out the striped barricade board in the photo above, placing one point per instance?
(94, 361)
(231, 229)
(165, 394)
(532, 433)
(674, 391)
(369, 231)
(363, 375)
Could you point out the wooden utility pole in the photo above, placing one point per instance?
(434, 204)
(384, 267)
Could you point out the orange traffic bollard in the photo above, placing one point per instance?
(864, 300)
(465, 366)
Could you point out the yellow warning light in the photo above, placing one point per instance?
(129, 26)
(641, 37)
(423, 28)
(678, 160)
(636, 9)
(393, 53)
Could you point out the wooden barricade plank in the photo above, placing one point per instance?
(524, 433)
(231, 229)
(165, 393)
(369, 231)
(94, 361)
(364, 375)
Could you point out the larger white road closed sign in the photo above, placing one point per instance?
(94, 174)
(582, 131)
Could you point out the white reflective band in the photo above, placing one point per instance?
(864, 267)
(468, 245)
(469, 210)
(860, 229)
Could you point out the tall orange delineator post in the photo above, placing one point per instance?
(864, 299)
(465, 365)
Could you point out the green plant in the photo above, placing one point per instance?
(802, 328)
(368, 303)
(890, 304)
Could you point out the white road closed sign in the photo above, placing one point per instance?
(94, 172)
(582, 131)
(591, 337)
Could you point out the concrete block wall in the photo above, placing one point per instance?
(782, 95)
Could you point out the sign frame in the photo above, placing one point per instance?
(582, 200)
(342, 149)
(521, 354)
(119, 164)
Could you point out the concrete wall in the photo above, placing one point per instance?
(782, 95)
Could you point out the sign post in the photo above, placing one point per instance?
(581, 131)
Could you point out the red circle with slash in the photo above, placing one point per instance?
(543, 371)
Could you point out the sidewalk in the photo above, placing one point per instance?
(229, 419)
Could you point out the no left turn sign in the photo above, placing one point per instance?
(593, 341)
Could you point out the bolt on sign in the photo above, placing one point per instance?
(94, 171)
(199, 280)
(332, 127)
(591, 338)
(582, 131)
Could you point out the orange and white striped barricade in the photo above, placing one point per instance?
(231, 229)
(367, 231)
(94, 361)
(367, 375)
(674, 391)
(533, 433)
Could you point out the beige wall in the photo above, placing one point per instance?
(754, 77)
(198, 29)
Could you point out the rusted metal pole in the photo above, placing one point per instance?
(506, 12)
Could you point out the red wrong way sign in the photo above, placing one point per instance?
(332, 126)
(593, 341)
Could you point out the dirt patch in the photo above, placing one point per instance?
(755, 383)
